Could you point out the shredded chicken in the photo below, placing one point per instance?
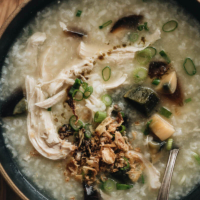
(41, 129)
(117, 83)
(117, 54)
(36, 39)
(33, 43)
(151, 172)
(93, 162)
(95, 104)
(120, 142)
(72, 167)
(66, 77)
(102, 127)
(47, 103)
(108, 155)
(42, 64)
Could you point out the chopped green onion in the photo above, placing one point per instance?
(78, 14)
(140, 27)
(127, 166)
(142, 179)
(99, 116)
(88, 92)
(109, 185)
(105, 24)
(165, 112)
(164, 55)
(188, 100)
(88, 133)
(147, 129)
(107, 99)
(170, 26)
(123, 186)
(84, 85)
(144, 56)
(140, 74)
(49, 109)
(189, 67)
(123, 115)
(77, 95)
(106, 73)
(153, 51)
(122, 128)
(133, 37)
(76, 85)
(196, 156)
(169, 144)
(145, 26)
(75, 125)
(156, 81)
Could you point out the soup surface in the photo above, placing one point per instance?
(109, 91)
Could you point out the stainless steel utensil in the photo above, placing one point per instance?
(165, 186)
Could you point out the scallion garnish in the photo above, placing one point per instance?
(88, 92)
(153, 51)
(127, 164)
(76, 85)
(106, 73)
(196, 156)
(84, 85)
(147, 129)
(75, 125)
(77, 95)
(169, 144)
(49, 109)
(140, 27)
(88, 133)
(143, 26)
(142, 179)
(122, 128)
(123, 115)
(107, 99)
(188, 100)
(105, 24)
(144, 56)
(165, 112)
(170, 26)
(99, 116)
(189, 67)
(78, 14)
(156, 81)
(164, 55)
(140, 74)
(109, 185)
(123, 186)
(133, 37)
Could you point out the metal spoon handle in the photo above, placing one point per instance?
(165, 186)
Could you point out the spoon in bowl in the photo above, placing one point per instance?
(165, 186)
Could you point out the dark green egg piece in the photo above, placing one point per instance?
(143, 98)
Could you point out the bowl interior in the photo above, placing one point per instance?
(8, 34)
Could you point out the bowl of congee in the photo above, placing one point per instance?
(95, 94)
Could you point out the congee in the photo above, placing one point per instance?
(95, 94)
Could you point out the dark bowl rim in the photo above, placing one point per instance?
(2, 30)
